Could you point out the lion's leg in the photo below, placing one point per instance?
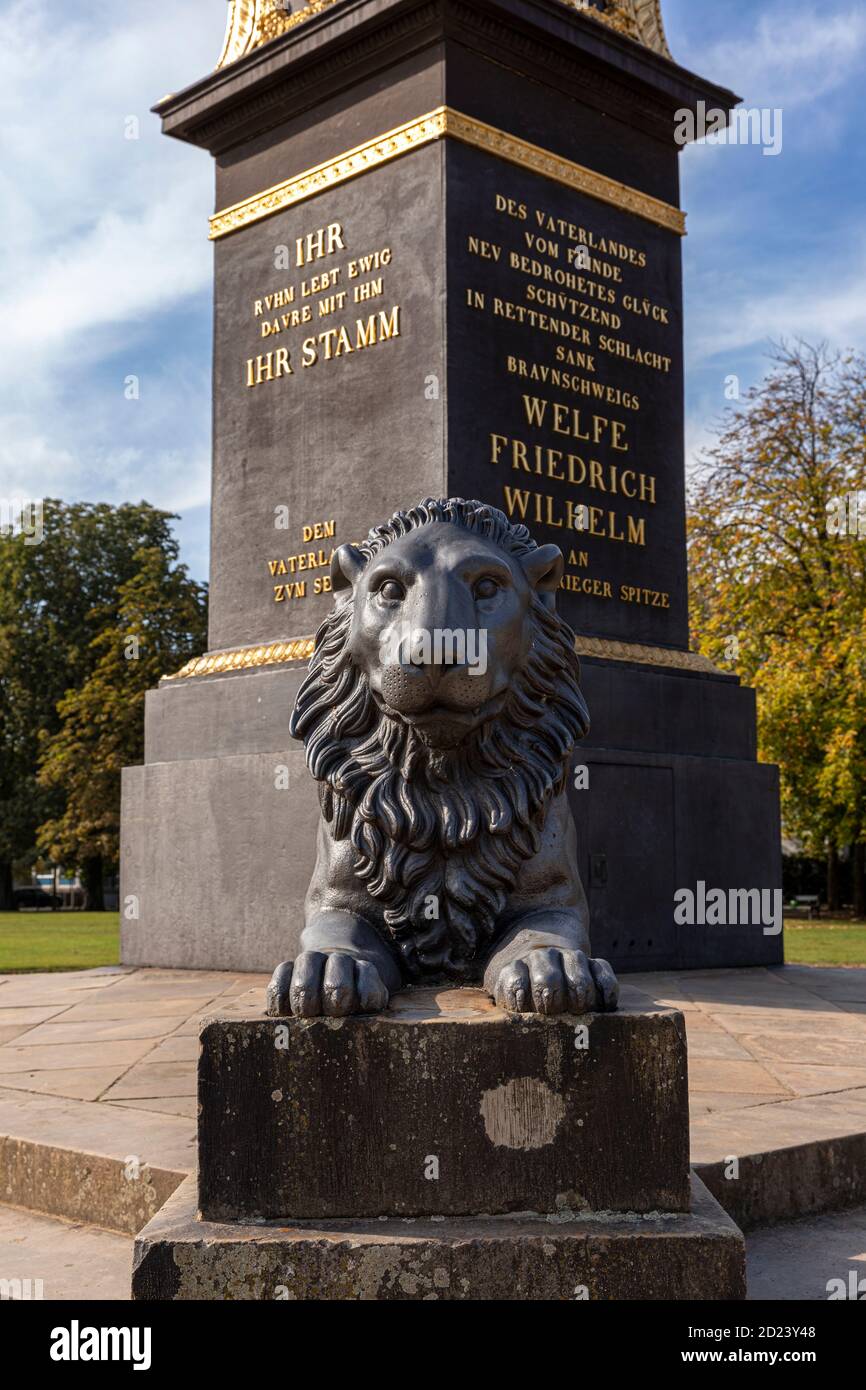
(542, 965)
(344, 967)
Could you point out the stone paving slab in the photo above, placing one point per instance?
(792, 1113)
(777, 1061)
(810, 1259)
(800, 1261)
(62, 1260)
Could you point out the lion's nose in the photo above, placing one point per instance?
(406, 689)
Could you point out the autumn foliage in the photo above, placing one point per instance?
(777, 546)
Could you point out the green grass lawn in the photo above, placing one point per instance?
(58, 940)
(825, 943)
(79, 940)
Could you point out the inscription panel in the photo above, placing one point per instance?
(565, 387)
(548, 326)
(328, 390)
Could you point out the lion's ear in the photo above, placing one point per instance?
(544, 569)
(347, 566)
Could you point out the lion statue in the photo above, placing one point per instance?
(439, 716)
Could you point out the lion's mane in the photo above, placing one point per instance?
(448, 828)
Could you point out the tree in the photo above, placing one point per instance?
(777, 547)
(55, 598)
(161, 623)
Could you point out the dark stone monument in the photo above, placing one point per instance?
(447, 263)
(536, 1137)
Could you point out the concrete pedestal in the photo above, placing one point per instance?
(697, 1255)
(445, 1105)
(444, 1149)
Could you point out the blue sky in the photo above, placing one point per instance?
(106, 268)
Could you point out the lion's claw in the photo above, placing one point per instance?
(550, 981)
(334, 984)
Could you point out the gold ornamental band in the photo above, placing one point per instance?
(444, 121)
(301, 649)
(252, 23)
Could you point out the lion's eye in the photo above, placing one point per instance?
(486, 588)
(392, 591)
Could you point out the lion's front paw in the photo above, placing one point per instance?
(549, 981)
(334, 984)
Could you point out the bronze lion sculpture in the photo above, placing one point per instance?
(446, 849)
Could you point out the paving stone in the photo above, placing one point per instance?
(707, 1102)
(833, 1022)
(81, 1083)
(59, 1031)
(714, 1074)
(29, 1017)
(809, 1259)
(8, 1035)
(180, 1008)
(805, 1080)
(68, 1056)
(87, 1162)
(63, 1261)
(846, 984)
(175, 1049)
(810, 1047)
(161, 1105)
(714, 1044)
(150, 1079)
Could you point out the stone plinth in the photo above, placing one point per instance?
(686, 1256)
(443, 1106)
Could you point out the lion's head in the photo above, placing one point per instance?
(439, 715)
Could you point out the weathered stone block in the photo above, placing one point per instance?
(690, 1256)
(443, 1106)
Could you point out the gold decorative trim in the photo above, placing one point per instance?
(328, 175)
(638, 19)
(243, 18)
(604, 648)
(245, 658)
(301, 649)
(444, 121)
(252, 23)
(564, 171)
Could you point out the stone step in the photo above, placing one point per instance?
(611, 1256)
(796, 1159)
(99, 1164)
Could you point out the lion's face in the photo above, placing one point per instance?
(440, 627)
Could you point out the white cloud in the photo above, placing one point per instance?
(768, 295)
(102, 235)
(789, 56)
